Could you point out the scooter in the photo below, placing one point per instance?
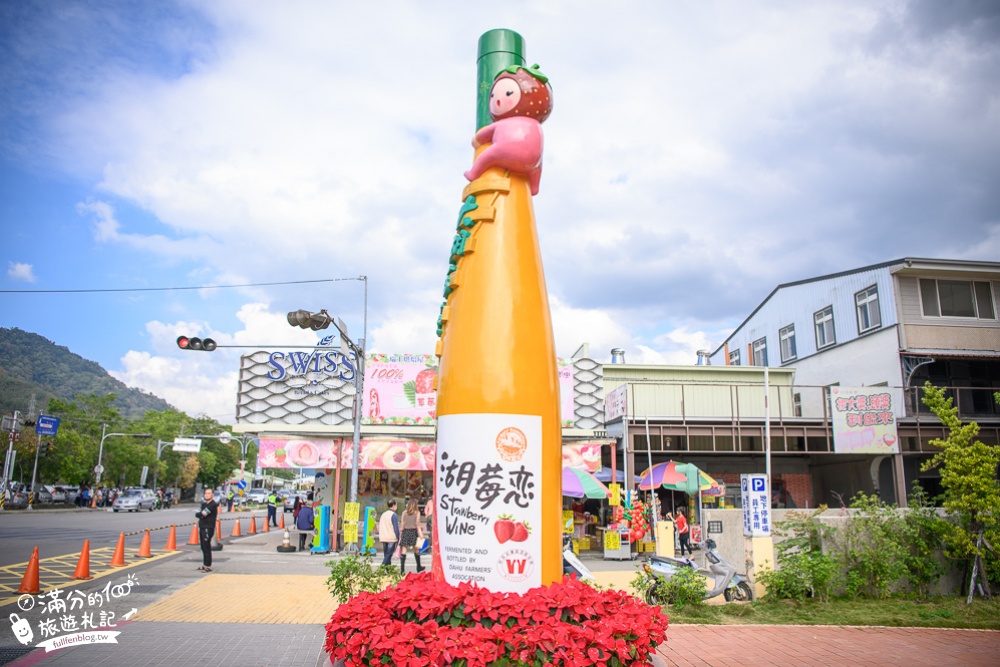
(726, 581)
(572, 565)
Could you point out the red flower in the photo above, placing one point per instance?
(423, 621)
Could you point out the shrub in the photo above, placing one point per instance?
(803, 570)
(687, 586)
(872, 548)
(923, 532)
(354, 574)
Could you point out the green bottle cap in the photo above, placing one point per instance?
(498, 50)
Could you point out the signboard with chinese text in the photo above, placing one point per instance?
(616, 403)
(488, 499)
(863, 421)
(615, 499)
(756, 505)
(583, 456)
(190, 445)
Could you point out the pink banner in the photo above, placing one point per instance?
(584, 456)
(322, 453)
(399, 389)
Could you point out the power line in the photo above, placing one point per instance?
(168, 289)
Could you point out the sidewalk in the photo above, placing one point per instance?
(263, 608)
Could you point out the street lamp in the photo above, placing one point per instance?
(100, 454)
(322, 320)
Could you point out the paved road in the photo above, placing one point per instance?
(63, 531)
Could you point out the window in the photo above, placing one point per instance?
(957, 298)
(825, 333)
(734, 357)
(797, 404)
(787, 338)
(760, 352)
(868, 314)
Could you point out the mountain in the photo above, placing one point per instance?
(30, 363)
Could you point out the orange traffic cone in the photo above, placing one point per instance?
(171, 539)
(267, 526)
(194, 539)
(236, 529)
(83, 565)
(118, 559)
(253, 526)
(281, 526)
(30, 584)
(144, 546)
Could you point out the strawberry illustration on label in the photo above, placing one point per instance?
(504, 528)
(521, 532)
(280, 455)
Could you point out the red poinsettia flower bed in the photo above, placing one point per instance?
(423, 622)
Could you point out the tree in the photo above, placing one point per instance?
(968, 470)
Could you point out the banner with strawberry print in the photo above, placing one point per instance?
(400, 389)
(488, 500)
(322, 453)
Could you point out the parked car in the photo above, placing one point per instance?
(290, 500)
(44, 495)
(71, 493)
(58, 494)
(18, 499)
(257, 496)
(135, 500)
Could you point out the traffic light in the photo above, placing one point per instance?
(43, 448)
(200, 344)
(306, 320)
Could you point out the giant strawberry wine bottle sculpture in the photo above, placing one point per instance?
(496, 594)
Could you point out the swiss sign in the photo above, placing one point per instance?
(46, 425)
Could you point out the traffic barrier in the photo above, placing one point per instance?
(194, 539)
(171, 539)
(286, 544)
(83, 565)
(30, 583)
(253, 526)
(144, 551)
(118, 559)
(236, 529)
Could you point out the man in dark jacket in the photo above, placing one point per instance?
(304, 524)
(207, 516)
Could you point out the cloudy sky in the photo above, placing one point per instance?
(699, 154)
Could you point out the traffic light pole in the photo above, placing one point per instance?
(33, 494)
(7, 462)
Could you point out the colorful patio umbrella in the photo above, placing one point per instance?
(578, 483)
(684, 477)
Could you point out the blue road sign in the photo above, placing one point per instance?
(46, 425)
(758, 483)
(242, 484)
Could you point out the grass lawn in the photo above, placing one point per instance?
(940, 612)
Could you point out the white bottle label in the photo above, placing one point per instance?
(488, 499)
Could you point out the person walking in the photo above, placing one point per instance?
(411, 531)
(683, 532)
(207, 516)
(388, 531)
(304, 523)
(272, 508)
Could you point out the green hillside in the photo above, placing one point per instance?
(30, 363)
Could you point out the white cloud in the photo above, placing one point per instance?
(698, 154)
(21, 271)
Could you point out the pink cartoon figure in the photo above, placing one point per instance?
(520, 101)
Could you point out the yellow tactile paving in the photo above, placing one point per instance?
(57, 572)
(246, 598)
